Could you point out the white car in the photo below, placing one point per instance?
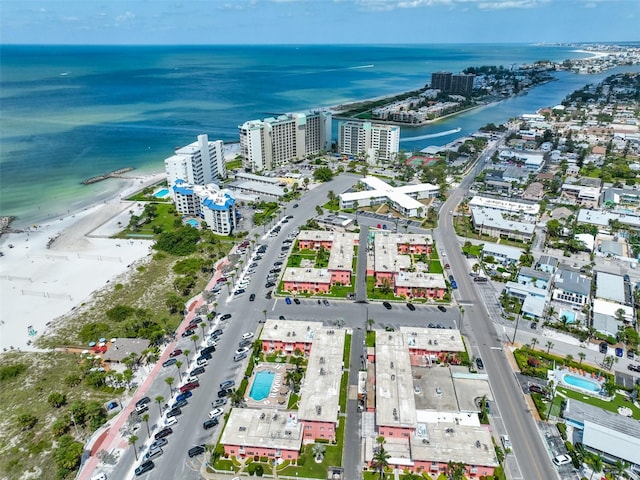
(169, 422)
(216, 412)
(506, 443)
(247, 336)
(242, 350)
(561, 459)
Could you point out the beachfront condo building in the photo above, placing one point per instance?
(270, 143)
(460, 84)
(213, 206)
(374, 141)
(200, 162)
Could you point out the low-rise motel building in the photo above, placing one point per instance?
(338, 270)
(396, 265)
(274, 431)
(422, 413)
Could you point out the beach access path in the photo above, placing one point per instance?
(49, 269)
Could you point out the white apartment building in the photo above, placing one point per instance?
(216, 207)
(200, 162)
(267, 144)
(378, 142)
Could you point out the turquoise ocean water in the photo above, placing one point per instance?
(69, 112)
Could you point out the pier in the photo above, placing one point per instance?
(100, 178)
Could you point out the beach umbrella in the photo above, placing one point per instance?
(103, 339)
(84, 352)
(101, 344)
(92, 344)
(113, 340)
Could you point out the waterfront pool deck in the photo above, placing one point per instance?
(278, 396)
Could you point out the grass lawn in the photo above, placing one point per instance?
(473, 250)
(612, 406)
(375, 293)
(341, 291)
(435, 266)
(27, 393)
(234, 164)
(343, 392)
(164, 220)
(371, 338)
(347, 350)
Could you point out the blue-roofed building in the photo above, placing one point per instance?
(215, 206)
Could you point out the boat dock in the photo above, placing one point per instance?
(113, 174)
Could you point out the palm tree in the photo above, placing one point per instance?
(455, 470)
(582, 356)
(186, 353)
(195, 339)
(534, 342)
(203, 326)
(145, 417)
(568, 359)
(370, 322)
(237, 398)
(169, 381)
(596, 464)
(160, 400)
(178, 365)
(132, 441)
(619, 468)
(549, 345)
(318, 450)
(380, 460)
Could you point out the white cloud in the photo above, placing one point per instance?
(125, 16)
(386, 5)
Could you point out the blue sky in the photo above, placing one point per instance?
(317, 21)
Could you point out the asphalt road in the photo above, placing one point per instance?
(530, 459)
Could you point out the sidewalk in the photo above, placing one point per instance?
(112, 438)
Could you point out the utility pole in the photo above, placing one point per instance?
(516, 330)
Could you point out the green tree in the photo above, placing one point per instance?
(169, 381)
(318, 450)
(26, 421)
(160, 400)
(67, 455)
(237, 398)
(549, 346)
(57, 399)
(595, 463)
(194, 339)
(380, 460)
(132, 441)
(146, 417)
(178, 365)
(582, 356)
(323, 174)
(455, 470)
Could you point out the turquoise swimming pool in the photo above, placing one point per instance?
(161, 193)
(193, 223)
(569, 315)
(581, 382)
(261, 385)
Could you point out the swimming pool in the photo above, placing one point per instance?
(161, 193)
(261, 385)
(193, 223)
(569, 315)
(583, 383)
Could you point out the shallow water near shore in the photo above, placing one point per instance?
(70, 113)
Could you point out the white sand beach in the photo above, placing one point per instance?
(54, 267)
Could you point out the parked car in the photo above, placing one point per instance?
(325, 302)
(216, 333)
(184, 396)
(247, 336)
(386, 305)
(188, 333)
(244, 343)
(143, 401)
(239, 291)
(212, 422)
(506, 443)
(479, 363)
(174, 412)
(535, 388)
(170, 422)
(411, 307)
(216, 412)
(228, 384)
(604, 347)
(197, 450)
(161, 442)
(619, 352)
(239, 356)
(219, 402)
(189, 386)
(561, 459)
(287, 301)
(183, 402)
(252, 297)
(226, 316)
(442, 309)
(269, 285)
(633, 367)
(144, 468)
(197, 371)
(296, 301)
(208, 350)
(169, 362)
(175, 353)
(163, 433)
(224, 392)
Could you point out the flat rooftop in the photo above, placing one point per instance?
(289, 331)
(319, 395)
(433, 389)
(526, 208)
(431, 339)
(610, 287)
(395, 404)
(387, 258)
(306, 274)
(264, 428)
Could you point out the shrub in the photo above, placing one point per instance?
(301, 460)
(562, 428)
(533, 362)
(9, 372)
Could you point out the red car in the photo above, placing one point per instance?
(221, 279)
(189, 386)
(175, 353)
